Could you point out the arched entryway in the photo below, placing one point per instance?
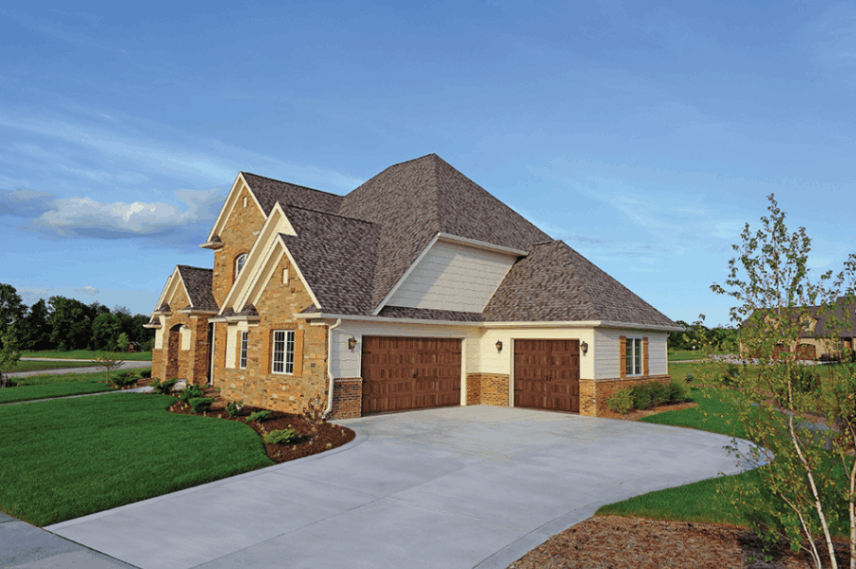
(173, 346)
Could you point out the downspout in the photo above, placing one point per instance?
(330, 368)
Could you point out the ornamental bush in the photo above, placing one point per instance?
(641, 396)
(123, 379)
(258, 416)
(659, 393)
(201, 404)
(621, 402)
(678, 391)
(163, 387)
(280, 437)
(191, 392)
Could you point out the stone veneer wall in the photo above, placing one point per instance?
(347, 398)
(473, 389)
(492, 389)
(238, 235)
(256, 385)
(595, 392)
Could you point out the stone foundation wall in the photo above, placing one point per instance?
(473, 389)
(347, 398)
(595, 392)
(492, 389)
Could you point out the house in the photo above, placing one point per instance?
(816, 333)
(417, 289)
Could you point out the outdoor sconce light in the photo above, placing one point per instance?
(352, 343)
(499, 345)
(584, 348)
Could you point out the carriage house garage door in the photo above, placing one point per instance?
(547, 374)
(410, 373)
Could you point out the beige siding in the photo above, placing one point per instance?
(453, 277)
(607, 359)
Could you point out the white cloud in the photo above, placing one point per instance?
(85, 217)
(90, 290)
(23, 203)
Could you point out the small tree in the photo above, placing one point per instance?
(9, 354)
(122, 342)
(109, 364)
(801, 494)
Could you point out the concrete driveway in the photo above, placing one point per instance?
(458, 487)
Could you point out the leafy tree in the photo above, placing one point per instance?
(9, 354)
(802, 495)
(12, 309)
(35, 329)
(122, 342)
(71, 327)
(105, 331)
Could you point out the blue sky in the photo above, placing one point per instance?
(643, 134)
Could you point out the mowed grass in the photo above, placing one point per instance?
(36, 366)
(68, 458)
(47, 386)
(681, 355)
(88, 355)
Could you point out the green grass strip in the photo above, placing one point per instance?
(88, 355)
(68, 458)
(713, 413)
(36, 366)
(46, 386)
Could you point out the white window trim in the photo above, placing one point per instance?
(282, 352)
(240, 261)
(634, 348)
(243, 355)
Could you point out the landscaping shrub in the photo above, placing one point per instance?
(164, 387)
(8, 382)
(806, 380)
(123, 379)
(729, 378)
(191, 392)
(678, 391)
(690, 377)
(201, 404)
(641, 396)
(659, 393)
(258, 416)
(621, 402)
(280, 437)
(233, 408)
(146, 374)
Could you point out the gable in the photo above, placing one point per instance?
(452, 276)
(235, 198)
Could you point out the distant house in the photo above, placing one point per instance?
(417, 289)
(817, 337)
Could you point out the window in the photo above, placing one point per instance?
(283, 351)
(244, 335)
(239, 263)
(633, 357)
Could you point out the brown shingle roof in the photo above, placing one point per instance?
(555, 283)
(337, 257)
(198, 284)
(413, 201)
(269, 191)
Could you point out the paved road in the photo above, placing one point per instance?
(93, 369)
(458, 487)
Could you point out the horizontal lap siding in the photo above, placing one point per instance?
(607, 360)
(453, 277)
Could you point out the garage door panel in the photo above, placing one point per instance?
(401, 373)
(547, 374)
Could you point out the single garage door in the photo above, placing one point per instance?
(410, 373)
(547, 374)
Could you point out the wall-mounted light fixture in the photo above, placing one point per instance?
(584, 348)
(499, 345)
(352, 343)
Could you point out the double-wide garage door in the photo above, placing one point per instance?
(547, 374)
(402, 373)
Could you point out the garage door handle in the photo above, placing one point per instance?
(415, 373)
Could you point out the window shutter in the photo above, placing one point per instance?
(645, 356)
(622, 356)
(298, 352)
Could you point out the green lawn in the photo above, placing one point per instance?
(68, 458)
(48, 386)
(704, 501)
(681, 355)
(35, 366)
(88, 355)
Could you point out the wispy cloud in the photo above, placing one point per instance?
(90, 290)
(24, 203)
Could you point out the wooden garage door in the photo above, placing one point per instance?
(547, 374)
(410, 373)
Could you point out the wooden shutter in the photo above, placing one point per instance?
(298, 352)
(645, 356)
(622, 356)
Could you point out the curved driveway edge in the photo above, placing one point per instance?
(458, 487)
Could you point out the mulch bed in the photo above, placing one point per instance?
(637, 414)
(315, 436)
(607, 542)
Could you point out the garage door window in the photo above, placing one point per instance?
(283, 351)
(633, 356)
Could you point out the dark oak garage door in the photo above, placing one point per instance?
(410, 373)
(547, 374)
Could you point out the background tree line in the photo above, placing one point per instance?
(68, 324)
(698, 335)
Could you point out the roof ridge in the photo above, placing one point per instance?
(327, 213)
(292, 184)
